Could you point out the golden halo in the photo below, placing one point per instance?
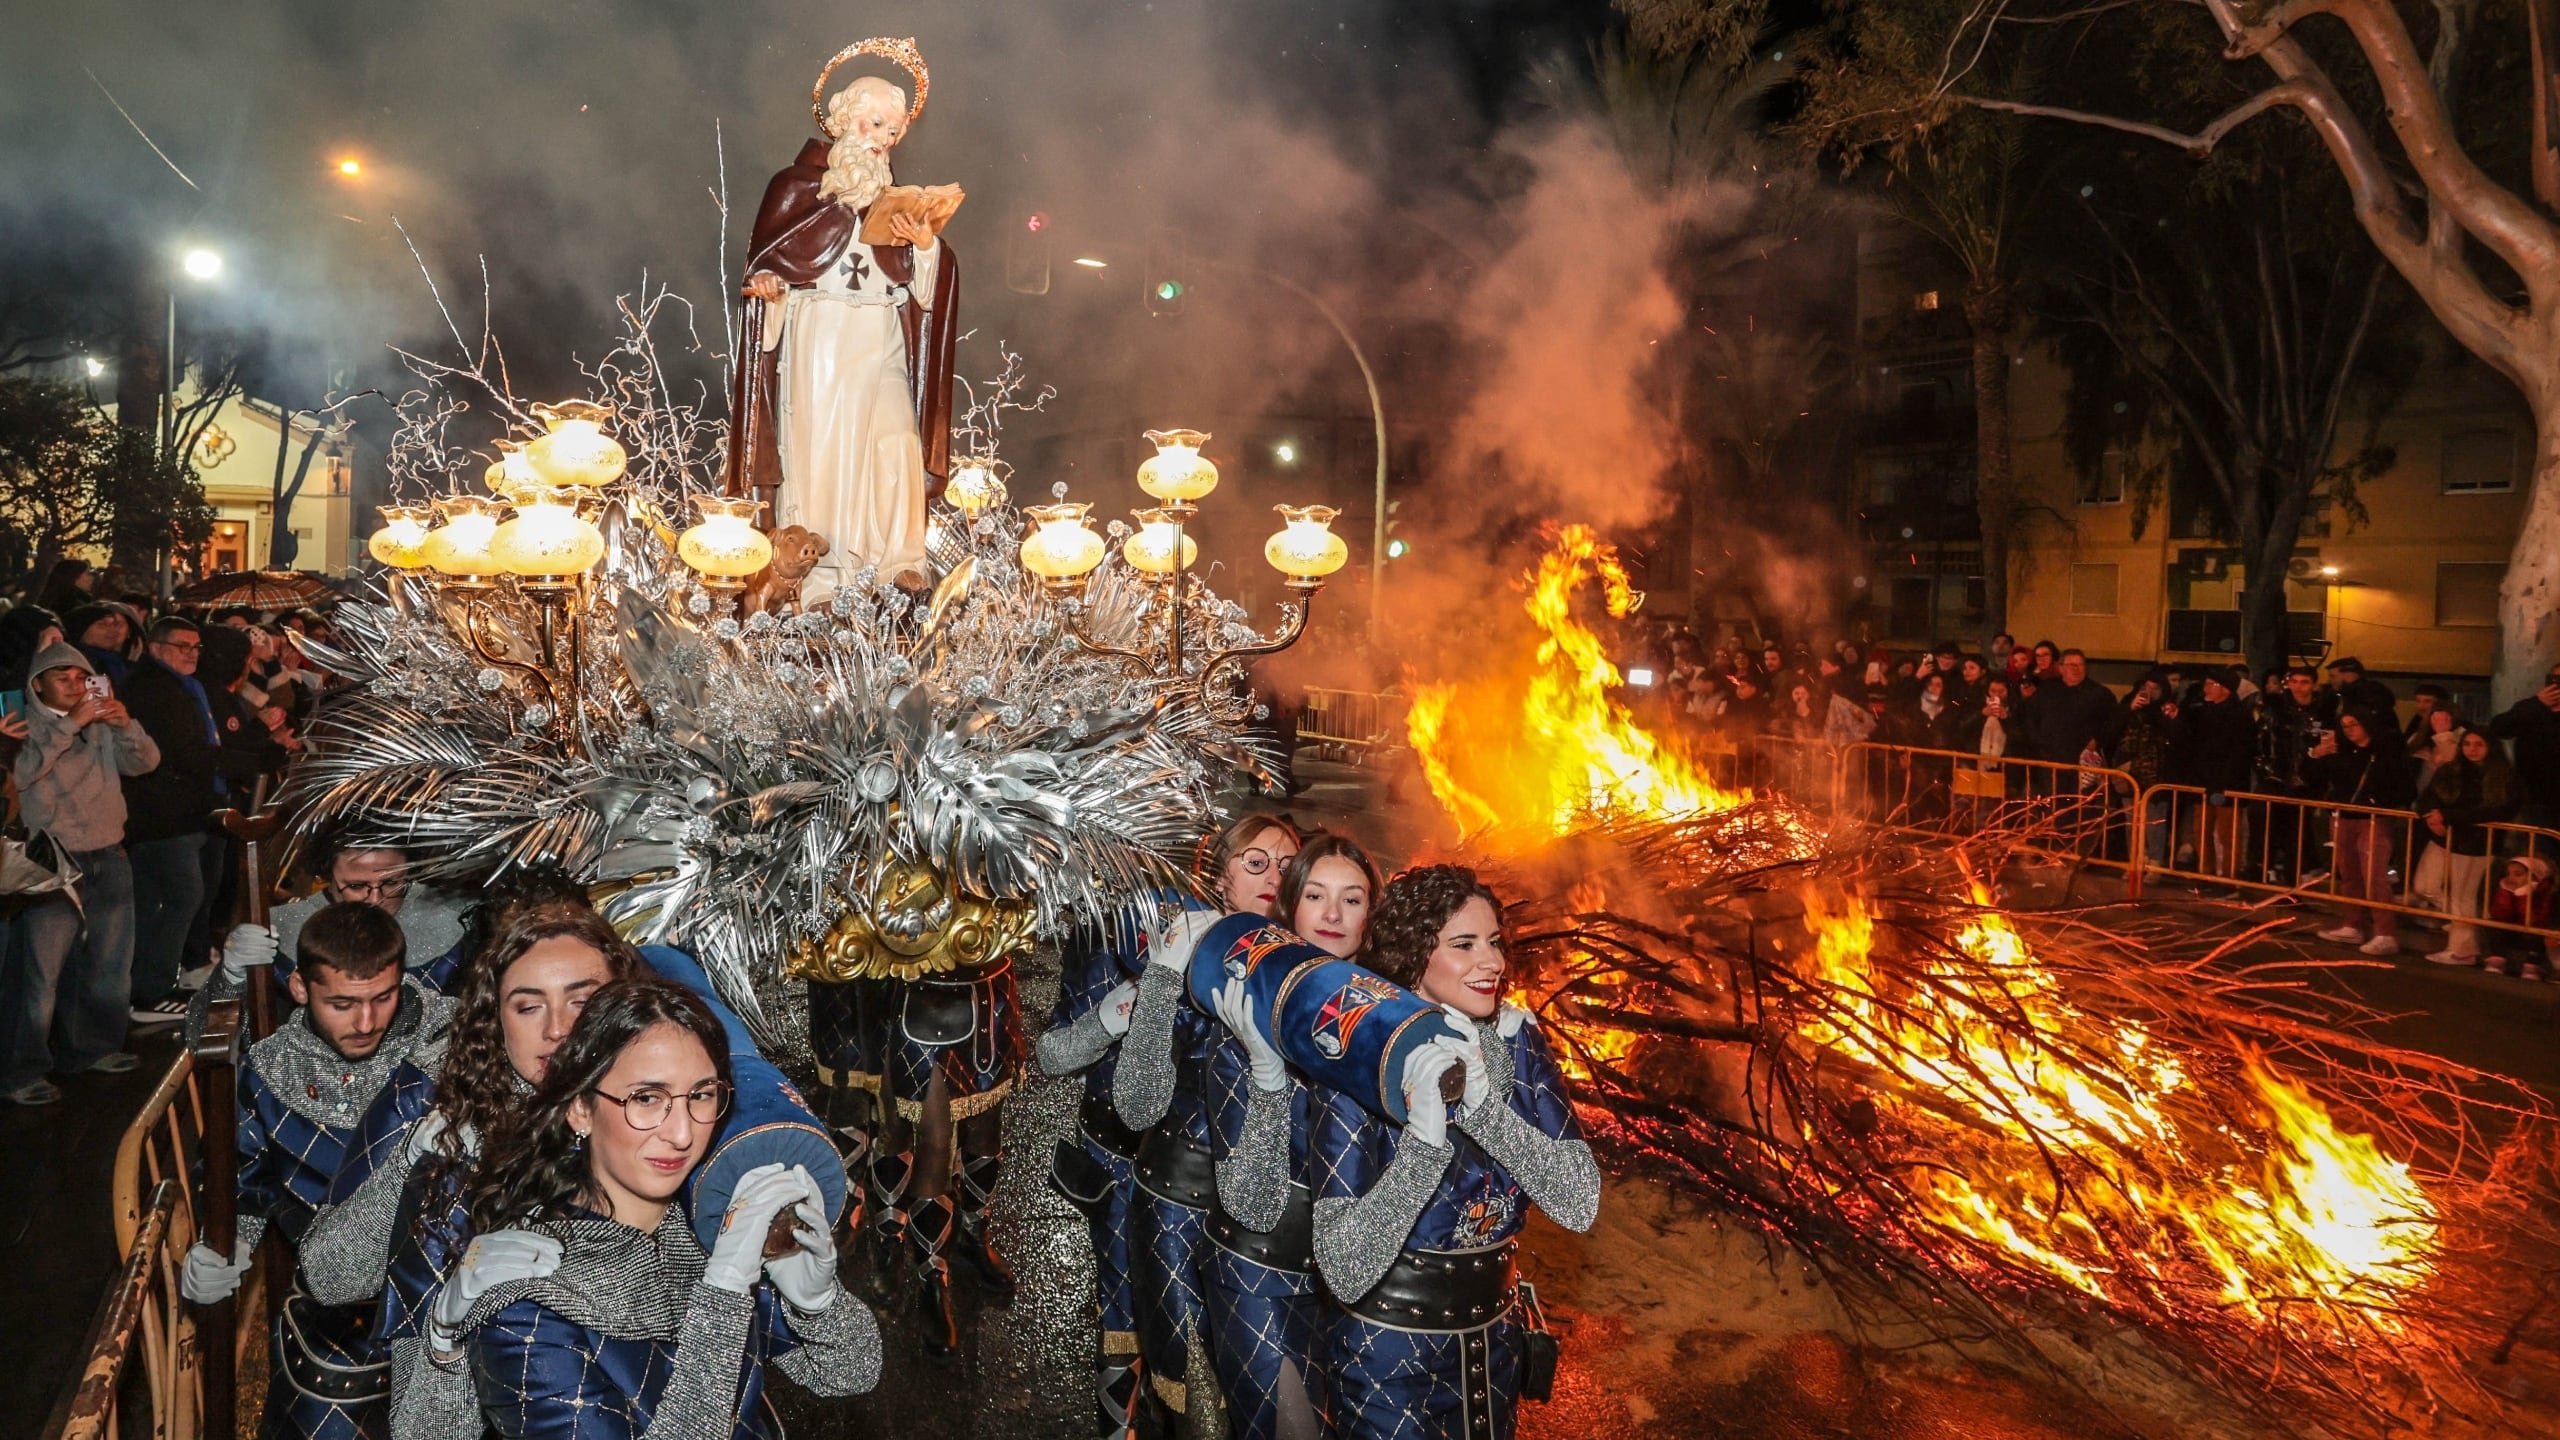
(902, 53)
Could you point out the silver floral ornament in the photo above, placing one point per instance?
(761, 623)
(697, 604)
(536, 716)
(489, 680)
(724, 628)
(878, 781)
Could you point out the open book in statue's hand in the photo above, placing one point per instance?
(932, 204)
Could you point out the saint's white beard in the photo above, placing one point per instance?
(855, 176)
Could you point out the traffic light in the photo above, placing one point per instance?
(1397, 549)
(1026, 257)
(1168, 271)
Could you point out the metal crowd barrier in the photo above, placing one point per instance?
(1358, 727)
(2087, 814)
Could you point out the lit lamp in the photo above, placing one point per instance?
(459, 548)
(1150, 548)
(511, 474)
(1061, 548)
(547, 540)
(1306, 549)
(401, 543)
(974, 486)
(1177, 473)
(576, 451)
(724, 547)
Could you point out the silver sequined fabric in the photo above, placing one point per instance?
(1559, 1174)
(1067, 1049)
(1356, 1240)
(1142, 1087)
(1253, 1181)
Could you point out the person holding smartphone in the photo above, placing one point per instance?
(68, 1011)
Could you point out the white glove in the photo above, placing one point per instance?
(1512, 1018)
(249, 945)
(208, 1277)
(1172, 940)
(492, 1260)
(1270, 1072)
(1116, 1006)
(1426, 1114)
(762, 1193)
(807, 1276)
(1478, 1084)
(422, 1137)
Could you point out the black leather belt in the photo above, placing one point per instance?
(1171, 1167)
(329, 1352)
(1289, 1245)
(1444, 1291)
(1102, 1125)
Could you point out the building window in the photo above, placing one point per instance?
(2213, 632)
(2105, 485)
(2093, 589)
(1925, 300)
(2479, 462)
(2467, 592)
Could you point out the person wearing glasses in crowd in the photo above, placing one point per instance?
(587, 1308)
(1160, 1089)
(169, 811)
(302, 1093)
(396, 1216)
(432, 921)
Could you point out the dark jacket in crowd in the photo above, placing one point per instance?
(2377, 773)
(2367, 693)
(2533, 728)
(2284, 738)
(2472, 796)
(2063, 719)
(225, 656)
(176, 797)
(2220, 738)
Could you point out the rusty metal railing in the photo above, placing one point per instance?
(137, 1314)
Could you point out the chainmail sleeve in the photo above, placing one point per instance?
(431, 1401)
(217, 987)
(839, 1349)
(346, 1252)
(1357, 1239)
(1066, 1049)
(1142, 1088)
(1253, 1179)
(1557, 1170)
(701, 1397)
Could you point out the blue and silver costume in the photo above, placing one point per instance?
(1266, 1321)
(622, 1342)
(1160, 1087)
(1417, 1242)
(1096, 1168)
(301, 1104)
(965, 1025)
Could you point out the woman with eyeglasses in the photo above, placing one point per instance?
(1159, 1086)
(1258, 1283)
(1416, 1226)
(587, 1306)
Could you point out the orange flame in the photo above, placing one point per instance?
(2325, 1216)
(1559, 750)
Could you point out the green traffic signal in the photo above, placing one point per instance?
(1169, 290)
(1396, 549)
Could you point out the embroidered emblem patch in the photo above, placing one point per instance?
(1342, 1014)
(1479, 1221)
(1251, 947)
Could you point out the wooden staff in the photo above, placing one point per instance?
(262, 823)
(218, 1145)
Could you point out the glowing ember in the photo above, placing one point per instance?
(1555, 750)
(1986, 1038)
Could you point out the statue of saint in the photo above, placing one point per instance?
(841, 413)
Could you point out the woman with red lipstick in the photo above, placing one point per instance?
(396, 1217)
(1258, 1284)
(1158, 1087)
(1415, 1226)
(587, 1304)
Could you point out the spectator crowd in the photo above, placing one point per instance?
(125, 725)
(2291, 777)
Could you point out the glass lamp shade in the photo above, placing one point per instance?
(401, 543)
(1306, 547)
(511, 474)
(576, 451)
(460, 546)
(1177, 472)
(1061, 546)
(974, 486)
(725, 543)
(1150, 547)
(547, 536)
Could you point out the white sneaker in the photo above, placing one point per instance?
(2381, 945)
(2343, 934)
(2447, 957)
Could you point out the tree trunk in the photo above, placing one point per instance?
(1987, 310)
(2262, 608)
(2529, 598)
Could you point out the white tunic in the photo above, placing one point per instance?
(852, 462)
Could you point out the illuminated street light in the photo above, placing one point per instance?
(1092, 262)
(2328, 572)
(351, 167)
(1285, 452)
(95, 366)
(203, 264)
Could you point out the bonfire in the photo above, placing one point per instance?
(2004, 1126)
